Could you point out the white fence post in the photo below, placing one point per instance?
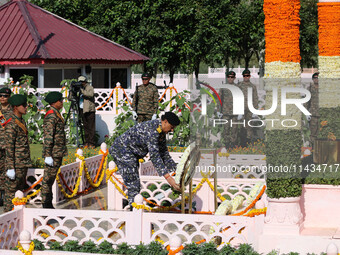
(332, 249)
(175, 242)
(134, 225)
(112, 192)
(19, 194)
(82, 184)
(25, 239)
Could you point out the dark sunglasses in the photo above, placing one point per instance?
(24, 105)
(145, 79)
(231, 76)
(5, 96)
(246, 75)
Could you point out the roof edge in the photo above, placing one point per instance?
(145, 58)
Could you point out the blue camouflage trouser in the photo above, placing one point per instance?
(128, 165)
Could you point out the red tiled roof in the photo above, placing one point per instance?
(31, 33)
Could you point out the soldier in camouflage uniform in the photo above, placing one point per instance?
(54, 148)
(229, 134)
(145, 100)
(134, 144)
(18, 157)
(5, 114)
(313, 107)
(244, 85)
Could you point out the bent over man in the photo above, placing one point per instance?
(54, 148)
(18, 157)
(135, 143)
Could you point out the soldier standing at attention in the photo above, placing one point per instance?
(134, 144)
(145, 100)
(5, 114)
(18, 157)
(226, 113)
(244, 85)
(313, 107)
(54, 148)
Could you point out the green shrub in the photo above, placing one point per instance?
(283, 148)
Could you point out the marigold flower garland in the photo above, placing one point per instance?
(103, 163)
(29, 251)
(24, 200)
(329, 28)
(282, 33)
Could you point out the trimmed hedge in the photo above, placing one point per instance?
(283, 151)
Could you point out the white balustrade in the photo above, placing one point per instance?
(121, 226)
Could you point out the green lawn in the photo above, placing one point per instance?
(36, 150)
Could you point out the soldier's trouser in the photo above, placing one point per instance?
(2, 168)
(229, 133)
(50, 174)
(11, 186)
(144, 117)
(89, 121)
(128, 168)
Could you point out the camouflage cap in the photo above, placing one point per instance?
(231, 73)
(5, 90)
(17, 99)
(246, 71)
(53, 97)
(171, 118)
(147, 75)
(315, 75)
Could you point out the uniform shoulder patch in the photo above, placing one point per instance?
(49, 112)
(159, 129)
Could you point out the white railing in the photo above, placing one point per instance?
(11, 224)
(233, 166)
(157, 190)
(130, 227)
(106, 99)
(70, 174)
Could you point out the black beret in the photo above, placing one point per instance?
(315, 75)
(17, 99)
(172, 118)
(53, 97)
(147, 75)
(246, 71)
(231, 73)
(5, 90)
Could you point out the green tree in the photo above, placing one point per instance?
(309, 33)
(248, 30)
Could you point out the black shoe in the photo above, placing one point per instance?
(48, 205)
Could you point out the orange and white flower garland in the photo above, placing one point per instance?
(282, 60)
(329, 53)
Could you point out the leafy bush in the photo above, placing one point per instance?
(38, 245)
(71, 245)
(181, 133)
(283, 148)
(329, 123)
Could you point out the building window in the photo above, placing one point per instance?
(100, 78)
(52, 78)
(71, 73)
(119, 75)
(16, 74)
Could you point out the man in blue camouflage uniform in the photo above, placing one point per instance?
(134, 144)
